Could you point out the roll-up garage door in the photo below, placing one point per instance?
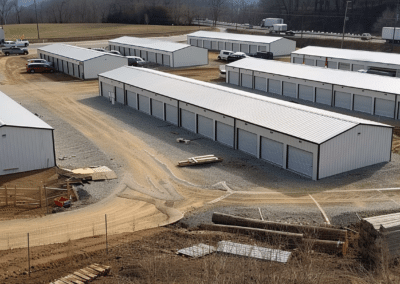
(321, 63)
(59, 65)
(76, 71)
(207, 44)
(221, 45)
(272, 151)
(199, 43)
(306, 93)
(166, 60)
(188, 120)
(247, 81)
(224, 133)
(159, 58)
(65, 66)
(332, 65)
(363, 103)
(244, 48)
(157, 109)
(143, 54)
(236, 47)
(262, 48)
(253, 49)
(357, 67)
(233, 78)
(193, 42)
(106, 88)
(300, 161)
(120, 95)
(228, 46)
(131, 99)
(214, 45)
(205, 126)
(260, 83)
(247, 142)
(152, 57)
(344, 66)
(274, 86)
(289, 89)
(70, 69)
(309, 62)
(144, 104)
(323, 96)
(342, 100)
(171, 114)
(384, 107)
(298, 60)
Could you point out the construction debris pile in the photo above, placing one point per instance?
(85, 275)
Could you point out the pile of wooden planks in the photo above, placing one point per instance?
(199, 160)
(84, 275)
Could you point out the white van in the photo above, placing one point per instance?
(223, 54)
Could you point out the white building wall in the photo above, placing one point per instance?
(95, 66)
(25, 149)
(359, 147)
(190, 56)
(282, 47)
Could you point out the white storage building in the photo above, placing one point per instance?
(161, 52)
(80, 62)
(241, 42)
(26, 141)
(347, 59)
(308, 141)
(372, 94)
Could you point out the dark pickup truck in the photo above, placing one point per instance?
(14, 50)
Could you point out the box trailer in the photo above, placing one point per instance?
(269, 22)
(387, 34)
(279, 28)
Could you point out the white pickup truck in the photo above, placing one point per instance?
(17, 43)
(22, 42)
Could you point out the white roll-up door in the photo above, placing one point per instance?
(106, 88)
(253, 49)
(224, 133)
(214, 45)
(70, 69)
(309, 62)
(272, 151)
(120, 95)
(332, 65)
(342, 100)
(233, 78)
(323, 96)
(171, 114)
(152, 57)
(244, 48)
(188, 120)
(157, 109)
(289, 89)
(357, 67)
(236, 47)
(143, 54)
(321, 63)
(76, 71)
(306, 93)
(344, 66)
(59, 65)
(200, 43)
(207, 44)
(247, 142)
(159, 58)
(298, 60)
(166, 60)
(144, 104)
(131, 99)
(362, 103)
(221, 45)
(65, 66)
(247, 81)
(229, 46)
(300, 161)
(260, 83)
(193, 42)
(274, 86)
(384, 107)
(205, 126)
(262, 48)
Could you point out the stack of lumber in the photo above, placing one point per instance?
(380, 236)
(325, 239)
(84, 275)
(199, 160)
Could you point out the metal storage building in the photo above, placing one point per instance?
(161, 52)
(312, 142)
(372, 94)
(80, 62)
(26, 141)
(241, 42)
(347, 59)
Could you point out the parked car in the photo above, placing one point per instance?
(222, 71)
(366, 36)
(236, 56)
(135, 61)
(9, 43)
(22, 42)
(100, 49)
(14, 50)
(38, 60)
(290, 33)
(264, 55)
(223, 54)
(116, 52)
(378, 72)
(39, 68)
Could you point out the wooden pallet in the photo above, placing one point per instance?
(199, 160)
(84, 275)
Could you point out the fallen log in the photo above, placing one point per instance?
(312, 232)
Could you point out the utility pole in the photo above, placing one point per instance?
(37, 23)
(395, 23)
(344, 23)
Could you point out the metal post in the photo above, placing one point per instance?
(344, 23)
(106, 236)
(29, 259)
(302, 26)
(47, 203)
(37, 23)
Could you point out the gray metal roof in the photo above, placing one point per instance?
(300, 121)
(330, 76)
(74, 52)
(349, 54)
(13, 114)
(150, 43)
(236, 37)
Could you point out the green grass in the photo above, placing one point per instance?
(29, 31)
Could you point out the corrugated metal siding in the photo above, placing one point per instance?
(190, 56)
(351, 150)
(25, 149)
(148, 43)
(233, 37)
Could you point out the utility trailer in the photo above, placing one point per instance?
(387, 34)
(270, 22)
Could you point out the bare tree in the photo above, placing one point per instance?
(5, 7)
(216, 6)
(18, 10)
